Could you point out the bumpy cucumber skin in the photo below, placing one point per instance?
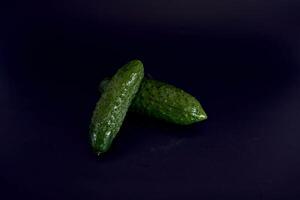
(113, 104)
(164, 101)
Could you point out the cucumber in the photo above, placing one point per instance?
(164, 101)
(113, 104)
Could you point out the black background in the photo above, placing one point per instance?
(239, 58)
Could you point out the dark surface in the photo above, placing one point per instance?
(240, 58)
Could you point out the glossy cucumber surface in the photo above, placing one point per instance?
(164, 101)
(113, 104)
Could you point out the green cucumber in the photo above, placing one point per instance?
(113, 104)
(164, 101)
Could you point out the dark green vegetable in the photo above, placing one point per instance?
(111, 108)
(164, 101)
